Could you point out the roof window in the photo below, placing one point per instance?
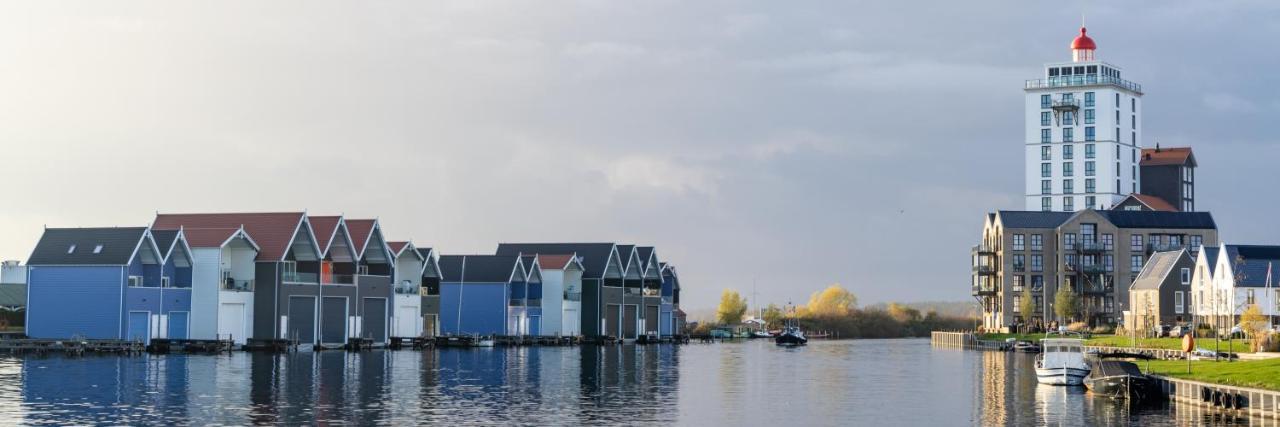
(71, 249)
(97, 249)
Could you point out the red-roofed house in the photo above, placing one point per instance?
(339, 295)
(1170, 174)
(1143, 202)
(374, 271)
(285, 280)
(222, 283)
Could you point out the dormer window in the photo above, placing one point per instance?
(71, 249)
(97, 249)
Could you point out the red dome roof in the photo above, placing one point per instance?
(1083, 42)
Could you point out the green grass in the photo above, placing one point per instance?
(1263, 374)
(1238, 346)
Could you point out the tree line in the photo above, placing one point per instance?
(836, 310)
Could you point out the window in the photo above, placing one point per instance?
(1089, 168)
(1046, 203)
(1133, 138)
(1069, 241)
(1090, 186)
(1046, 153)
(1067, 169)
(1044, 118)
(1175, 241)
(1135, 242)
(1046, 186)
(1018, 280)
(1133, 104)
(1037, 263)
(1017, 306)
(1186, 276)
(1089, 151)
(97, 249)
(1108, 242)
(1154, 239)
(71, 249)
(1117, 100)
(289, 269)
(1068, 97)
(1068, 118)
(1037, 283)
(1091, 201)
(1046, 103)
(1089, 133)
(1068, 152)
(164, 281)
(1019, 262)
(1068, 186)
(362, 269)
(1088, 116)
(1045, 135)
(1019, 242)
(1037, 242)
(135, 281)
(1196, 242)
(1109, 262)
(1068, 134)
(1248, 299)
(1186, 173)
(1135, 263)
(1088, 99)
(1045, 172)
(1186, 191)
(1068, 204)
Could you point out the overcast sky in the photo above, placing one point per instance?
(788, 144)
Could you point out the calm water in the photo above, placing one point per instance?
(871, 382)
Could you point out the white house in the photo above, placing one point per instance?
(407, 281)
(561, 294)
(222, 282)
(1230, 278)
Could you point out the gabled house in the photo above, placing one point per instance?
(339, 294)
(286, 284)
(407, 285)
(222, 283)
(561, 294)
(525, 315)
(475, 297)
(602, 284)
(632, 322)
(651, 289)
(374, 270)
(1159, 294)
(175, 276)
(1242, 276)
(1204, 284)
(99, 283)
(669, 324)
(430, 292)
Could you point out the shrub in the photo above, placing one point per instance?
(1103, 330)
(1078, 327)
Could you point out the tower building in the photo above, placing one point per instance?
(1084, 124)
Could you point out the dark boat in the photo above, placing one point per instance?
(791, 336)
(1120, 380)
(1026, 347)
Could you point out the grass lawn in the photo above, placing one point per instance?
(1237, 346)
(1255, 373)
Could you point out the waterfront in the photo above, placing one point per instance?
(851, 382)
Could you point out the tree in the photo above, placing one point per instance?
(832, 301)
(773, 317)
(1254, 324)
(1065, 303)
(1026, 305)
(732, 307)
(902, 313)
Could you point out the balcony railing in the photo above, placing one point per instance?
(1099, 289)
(984, 249)
(301, 278)
(1094, 269)
(340, 279)
(516, 302)
(406, 289)
(230, 284)
(985, 289)
(573, 296)
(632, 291)
(534, 302)
(1019, 267)
(650, 292)
(1091, 247)
(1164, 247)
(1082, 80)
(1066, 104)
(984, 269)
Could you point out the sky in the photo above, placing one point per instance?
(774, 146)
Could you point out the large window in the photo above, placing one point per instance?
(1088, 99)
(1089, 151)
(1135, 263)
(1068, 135)
(1046, 170)
(1019, 242)
(1185, 276)
(1018, 281)
(1046, 152)
(1037, 262)
(1135, 242)
(1044, 118)
(1089, 168)
(1046, 101)
(1046, 203)
(1089, 133)
(1088, 116)
(1196, 242)
(1068, 118)
(1068, 204)
(1109, 261)
(1046, 186)
(1089, 186)
(1037, 242)
(1091, 201)
(1019, 262)
(1108, 242)
(1045, 135)
(1069, 241)
(1068, 186)
(1037, 282)
(1068, 169)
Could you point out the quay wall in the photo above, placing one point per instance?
(1240, 401)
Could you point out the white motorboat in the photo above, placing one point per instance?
(1061, 362)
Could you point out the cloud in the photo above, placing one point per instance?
(1228, 103)
(660, 174)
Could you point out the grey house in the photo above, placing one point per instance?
(1161, 295)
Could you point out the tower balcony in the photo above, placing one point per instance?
(1066, 105)
(1090, 248)
(985, 290)
(1083, 80)
(984, 270)
(984, 249)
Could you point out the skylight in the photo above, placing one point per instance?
(97, 249)
(71, 249)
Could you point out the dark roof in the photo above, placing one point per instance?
(164, 239)
(595, 256)
(1121, 219)
(1158, 269)
(1033, 219)
(645, 252)
(118, 245)
(425, 252)
(479, 268)
(1250, 264)
(272, 231)
(1211, 256)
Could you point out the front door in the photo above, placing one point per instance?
(612, 316)
(333, 322)
(374, 319)
(178, 325)
(535, 325)
(139, 328)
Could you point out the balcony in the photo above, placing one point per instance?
(406, 288)
(340, 279)
(534, 302)
(1098, 290)
(984, 270)
(230, 284)
(984, 249)
(1082, 80)
(984, 290)
(652, 292)
(573, 296)
(632, 291)
(1094, 269)
(1091, 248)
(1019, 267)
(303, 278)
(515, 302)
(1066, 105)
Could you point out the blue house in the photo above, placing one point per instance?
(170, 303)
(670, 324)
(479, 294)
(98, 283)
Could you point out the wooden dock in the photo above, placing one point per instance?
(74, 347)
(270, 345)
(164, 346)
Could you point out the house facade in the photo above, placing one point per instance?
(1161, 293)
(1228, 279)
(407, 288)
(222, 277)
(430, 291)
(374, 271)
(476, 293)
(670, 323)
(561, 294)
(602, 281)
(1096, 254)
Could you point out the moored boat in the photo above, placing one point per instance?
(1120, 380)
(1061, 362)
(1026, 347)
(791, 336)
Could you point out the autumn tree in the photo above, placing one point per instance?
(832, 301)
(732, 307)
(1026, 305)
(773, 317)
(1065, 303)
(1253, 324)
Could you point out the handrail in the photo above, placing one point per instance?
(1082, 80)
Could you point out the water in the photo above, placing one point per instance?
(867, 382)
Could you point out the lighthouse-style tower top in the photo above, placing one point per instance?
(1082, 47)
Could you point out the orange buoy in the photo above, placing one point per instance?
(1188, 343)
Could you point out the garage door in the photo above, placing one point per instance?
(139, 326)
(178, 325)
(407, 321)
(374, 319)
(612, 315)
(651, 319)
(630, 317)
(231, 322)
(333, 323)
(302, 320)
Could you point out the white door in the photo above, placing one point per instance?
(407, 321)
(231, 321)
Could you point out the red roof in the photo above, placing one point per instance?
(325, 228)
(1083, 41)
(1155, 203)
(360, 230)
(396, 247)
(273, 231)
(1166, 156)
(554, 262)
(208, 237)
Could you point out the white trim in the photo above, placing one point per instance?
(241, 233)
(311, 232)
